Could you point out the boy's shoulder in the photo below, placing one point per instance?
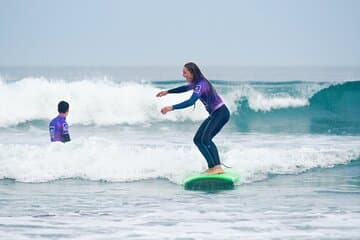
(53, 120)
(58, 119)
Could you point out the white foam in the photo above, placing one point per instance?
(100, 159)
(259, 102)
(94, 159)
(257, 163)
(91, 102)
(104, 102)
(257, 156)
(266, 102)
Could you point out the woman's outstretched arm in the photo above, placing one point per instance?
(180, 89)
(194, 97)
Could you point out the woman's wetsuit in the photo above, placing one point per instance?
(218, 116)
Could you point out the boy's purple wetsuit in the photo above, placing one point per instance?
(59, 130)
(219, 116)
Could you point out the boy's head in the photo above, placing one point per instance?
(63, 107)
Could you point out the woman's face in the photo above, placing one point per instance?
(187, 75)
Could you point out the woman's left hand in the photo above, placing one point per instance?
(166, 109)
(162, 93)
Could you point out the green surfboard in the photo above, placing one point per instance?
(207, 182)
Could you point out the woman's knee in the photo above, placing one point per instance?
(205, 139)
(197, 139)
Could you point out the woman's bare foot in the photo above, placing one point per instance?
(206, 171)
(215, 170)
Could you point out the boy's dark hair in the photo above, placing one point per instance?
(63, 107)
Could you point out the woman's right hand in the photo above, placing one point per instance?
(162, 93)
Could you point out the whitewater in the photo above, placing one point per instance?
(293, 137)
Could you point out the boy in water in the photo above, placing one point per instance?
(58, 127)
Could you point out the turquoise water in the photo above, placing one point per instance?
(294, 137)
(332, 109)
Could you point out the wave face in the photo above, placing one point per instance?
(333, 109)
(295, 107)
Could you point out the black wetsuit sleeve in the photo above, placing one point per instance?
(65, 133)
(66, 138)
(191, 101)
(180, 89)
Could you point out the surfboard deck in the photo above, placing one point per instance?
(207, 182)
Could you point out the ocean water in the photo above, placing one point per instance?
(294, 137)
